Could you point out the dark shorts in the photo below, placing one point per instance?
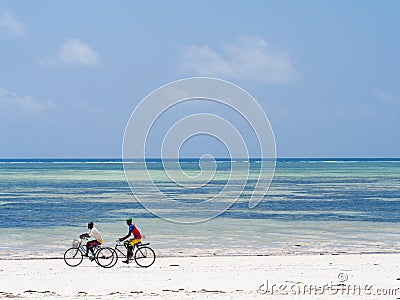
(92, 244)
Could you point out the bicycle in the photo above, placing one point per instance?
(74, 255)
(144, 256)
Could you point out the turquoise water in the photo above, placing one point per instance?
(312, 206)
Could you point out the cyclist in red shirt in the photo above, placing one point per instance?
(134, 238)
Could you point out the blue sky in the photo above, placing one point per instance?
(325, 73)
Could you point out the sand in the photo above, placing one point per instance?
(364, 276)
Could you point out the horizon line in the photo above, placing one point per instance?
(196, 158)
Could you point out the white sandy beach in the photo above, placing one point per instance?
(365, 276)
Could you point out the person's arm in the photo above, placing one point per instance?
(86, 235)
(125, 237)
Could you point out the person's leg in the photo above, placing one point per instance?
(130, 252)
(132, 244)
(135, 242)
(89, 246)
(93, 245)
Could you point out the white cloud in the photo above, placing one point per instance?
(250, 57)
(385, 98)
(11, 26)
(73, 52)
(13, 104)
(205, 61)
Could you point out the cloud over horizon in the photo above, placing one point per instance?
(13, 104)
(249, 57)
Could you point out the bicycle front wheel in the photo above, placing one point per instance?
(73, 257)
(145, 256)
(106, 257)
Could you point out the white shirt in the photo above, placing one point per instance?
(94, 233)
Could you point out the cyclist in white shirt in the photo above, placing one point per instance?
(95, 234)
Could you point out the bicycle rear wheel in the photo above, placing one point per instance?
(144, 256)
(73, 257)
(106, 257)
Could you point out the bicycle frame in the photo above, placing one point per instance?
(107, 257)
(74, 255)
(122, 245)
(118, 251)
(135, 247)
(82, 248)
(142, 254)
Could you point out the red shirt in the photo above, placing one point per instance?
(135, 232)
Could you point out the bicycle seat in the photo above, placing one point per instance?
(143, 244)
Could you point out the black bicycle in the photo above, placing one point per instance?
(144, 256)
(103, 256)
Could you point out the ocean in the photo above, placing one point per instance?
(313, 206)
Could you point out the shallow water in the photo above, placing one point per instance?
(312, 206)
